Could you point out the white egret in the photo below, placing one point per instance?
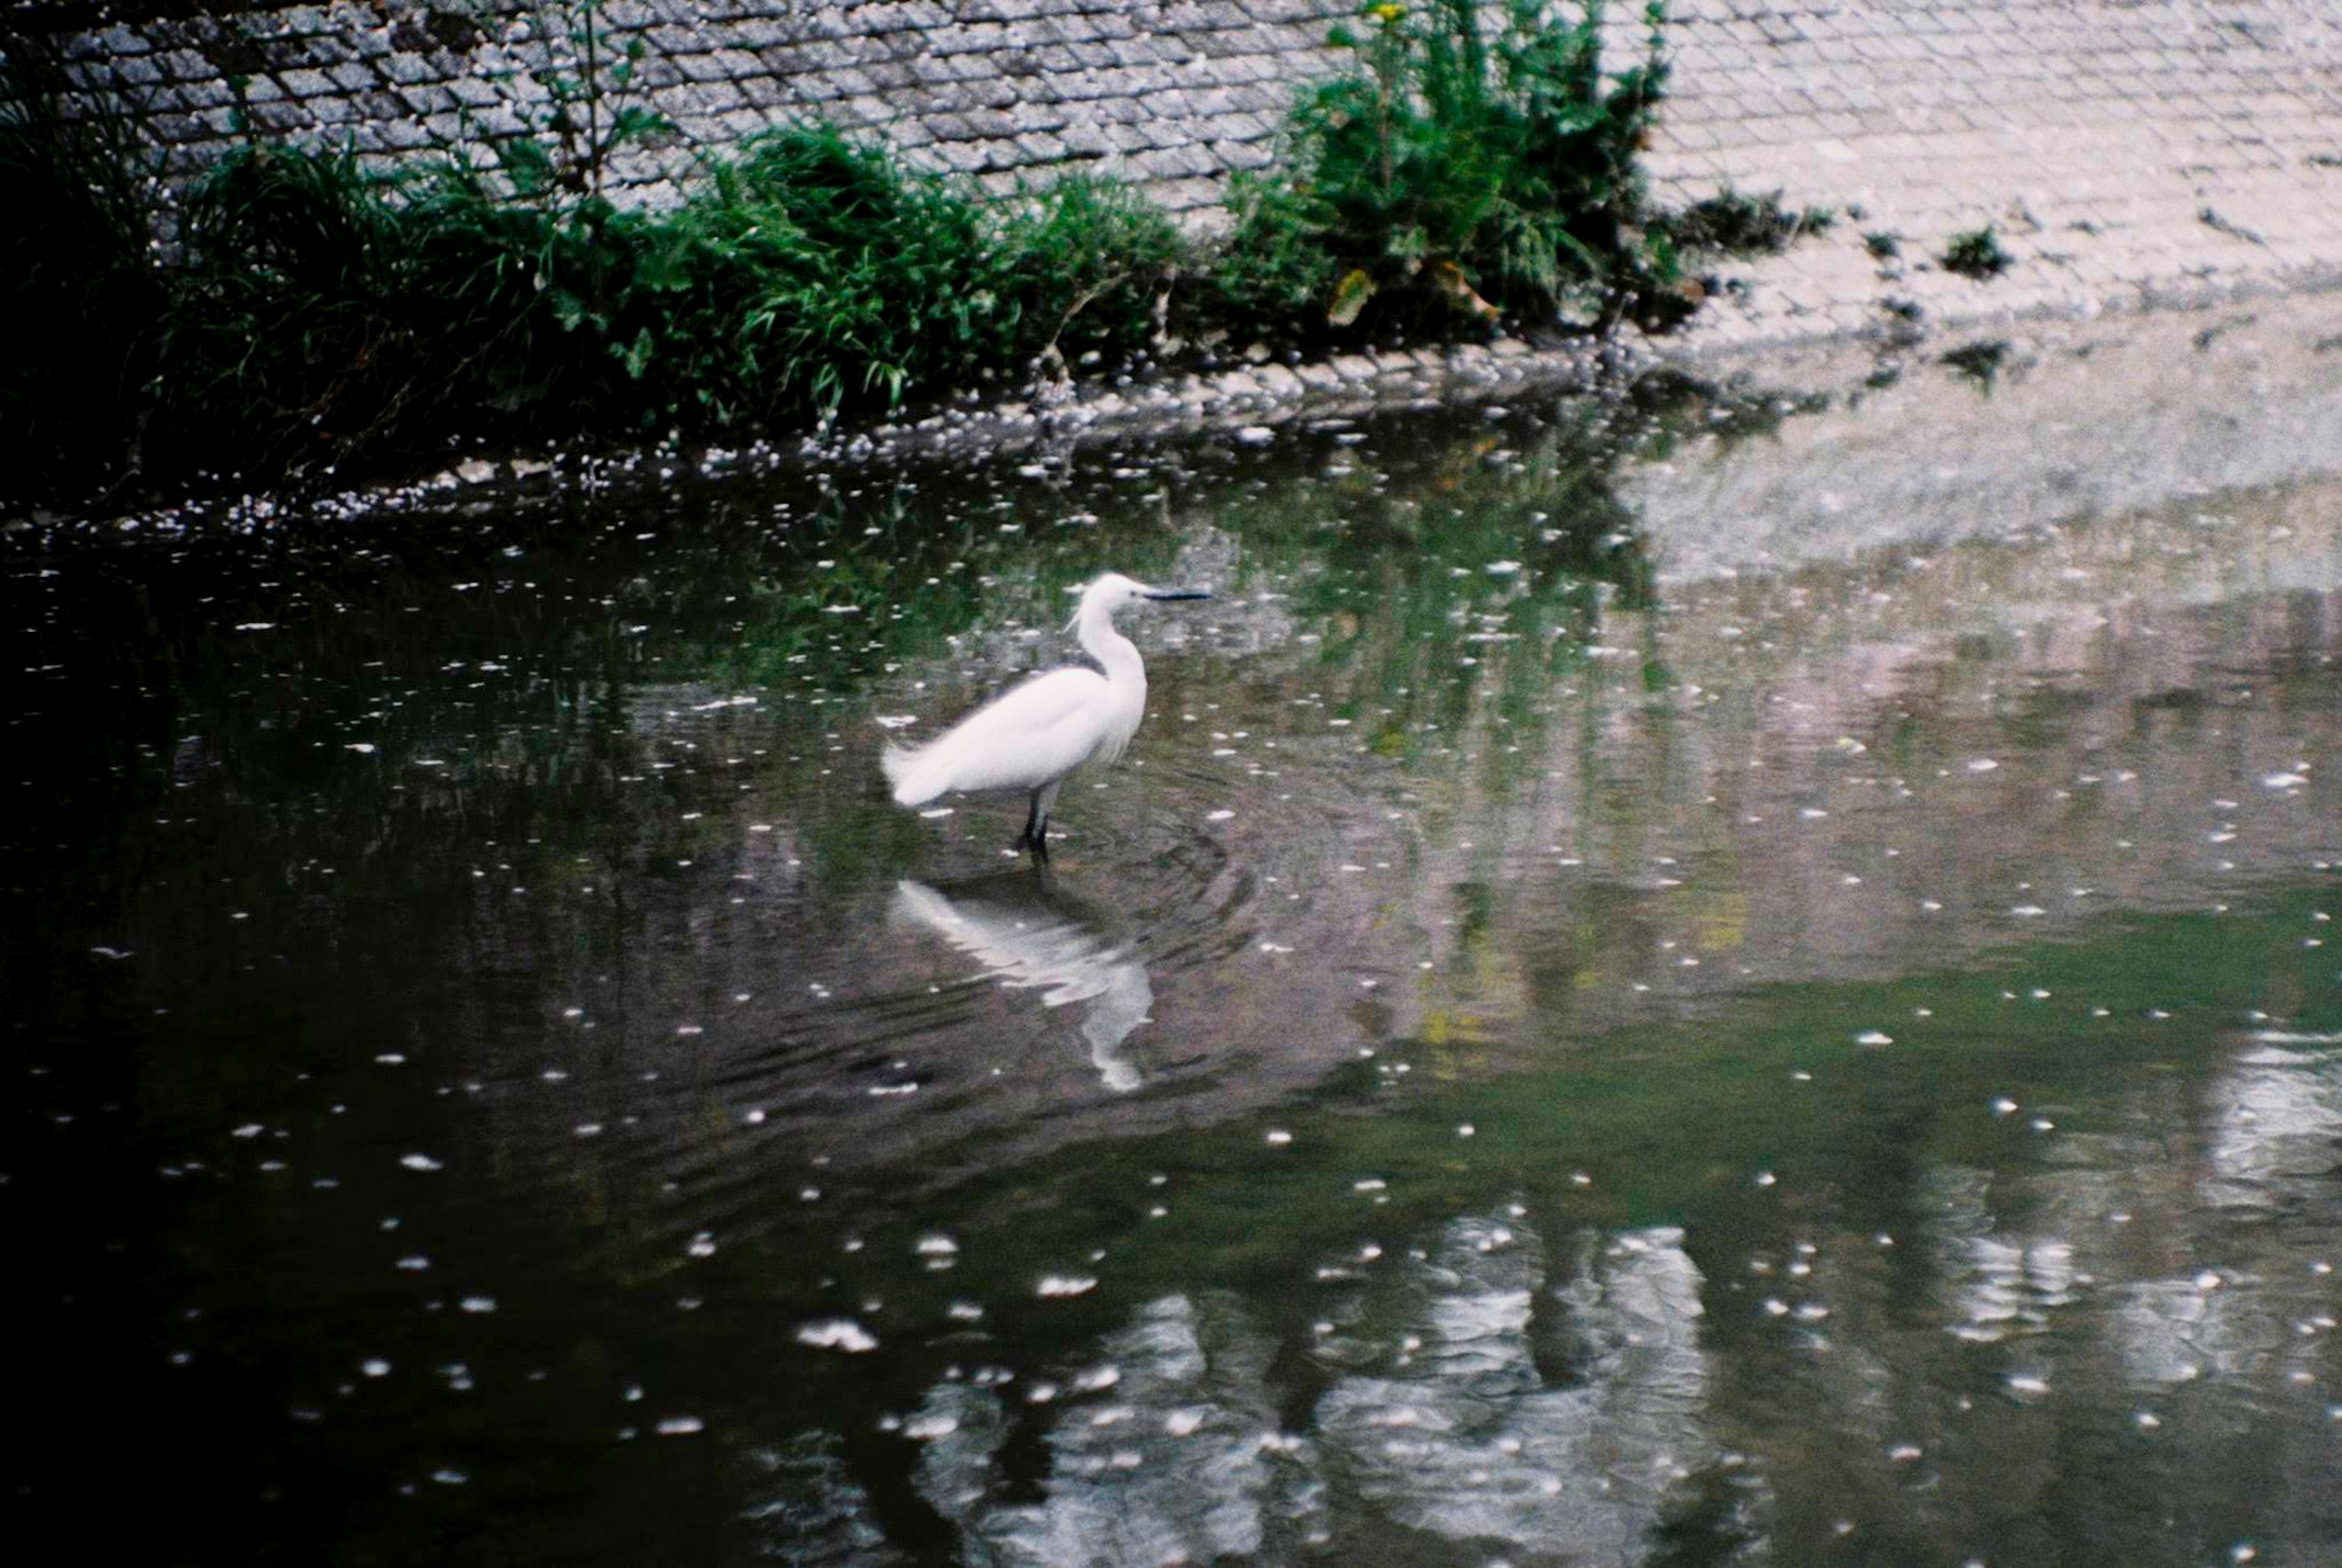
(1031, 737)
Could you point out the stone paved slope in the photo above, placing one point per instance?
(2125, 151)
(1167, 94)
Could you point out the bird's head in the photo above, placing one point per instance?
(1113, 592)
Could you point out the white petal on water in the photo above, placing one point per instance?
(841, 1334)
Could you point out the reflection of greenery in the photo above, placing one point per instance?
(1479, 572)
(1680, 404)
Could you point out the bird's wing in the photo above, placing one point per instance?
(1022, 739)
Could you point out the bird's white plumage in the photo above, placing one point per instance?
(1030, 737)
(1022, 739)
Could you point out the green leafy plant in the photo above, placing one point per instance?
(591, 118)
(1976, 253)
(1466, 169)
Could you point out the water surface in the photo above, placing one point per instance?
(1736, 974)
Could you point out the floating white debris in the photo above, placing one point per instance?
(1064, 1285)
(1221, 815)
(420, 1163)
(926, 1427)
(2283, 781)
(1278, 1137)
(841, 1334)
(1502, 568)
(1982, 764)
(680, 1425)
(1256, 435)
(478, 1303)
(1874, 1037)
(364, 748)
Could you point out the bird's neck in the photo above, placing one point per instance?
(1110, 648)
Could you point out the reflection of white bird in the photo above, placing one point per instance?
(1030, 737)
(1048, 942)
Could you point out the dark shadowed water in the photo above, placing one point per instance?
(1736, 975)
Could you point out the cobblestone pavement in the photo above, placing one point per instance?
(2124, 153)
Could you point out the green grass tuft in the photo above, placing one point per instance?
(1976, 253)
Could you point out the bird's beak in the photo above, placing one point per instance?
(1177, 593)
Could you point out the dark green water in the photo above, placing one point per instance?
(1688, 982)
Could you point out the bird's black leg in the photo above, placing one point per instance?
(1035, 836)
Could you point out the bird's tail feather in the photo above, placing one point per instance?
(912, 784)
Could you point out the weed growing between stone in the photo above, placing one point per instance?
(1733, 222)
(1976, 253)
